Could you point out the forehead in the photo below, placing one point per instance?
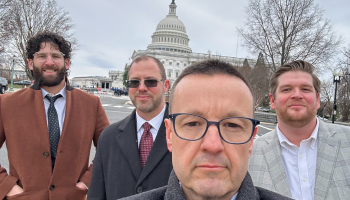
(144, 69)
(295, 78)
(216, 95)
(49, 46)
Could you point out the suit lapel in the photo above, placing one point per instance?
(327, 151)
(273, 157)
(127, 140)
(159, 149)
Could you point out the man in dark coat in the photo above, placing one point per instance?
(132, 156)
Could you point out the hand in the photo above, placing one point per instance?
(81, 186)
(15, 190)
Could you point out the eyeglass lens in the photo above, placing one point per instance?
(42, 57)
(147, 82)
(235, 130)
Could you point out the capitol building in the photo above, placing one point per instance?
(170, 44)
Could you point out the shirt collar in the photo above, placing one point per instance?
(63, 92)
(155, 122)
(283, 140)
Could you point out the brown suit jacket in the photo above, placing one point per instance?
(23, 125)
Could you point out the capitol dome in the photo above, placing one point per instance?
(170, 34)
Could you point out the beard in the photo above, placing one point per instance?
(51, 80)
(147, 107)
(297, 120)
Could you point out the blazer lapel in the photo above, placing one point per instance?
(127, 140)
(327, 151)
(273, 157)
(158, 151)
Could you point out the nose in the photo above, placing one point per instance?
(297, 94)
(212, 141)
(142, 86)
(49, 61)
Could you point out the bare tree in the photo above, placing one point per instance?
(28, 17)
(4, 26)
(327, 95)
(289, 30)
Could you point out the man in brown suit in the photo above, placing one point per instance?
(48, 128)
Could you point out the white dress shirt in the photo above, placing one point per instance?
(300, 164)
(60, 105)
(155, 123)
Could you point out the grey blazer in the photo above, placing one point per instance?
(117, 169)
(332, 168)
(173, 191)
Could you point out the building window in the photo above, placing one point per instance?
(163, 62)
(169, 73)
(170, 63)
(184, 65)
(177, 74)
(178, 64)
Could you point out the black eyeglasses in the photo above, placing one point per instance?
(233, 130)
(147, 82)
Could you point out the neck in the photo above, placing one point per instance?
(297, 134)
(54, 89)
(153, 114)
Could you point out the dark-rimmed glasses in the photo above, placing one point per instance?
(147, 82)
(233, 130)
(42, 56)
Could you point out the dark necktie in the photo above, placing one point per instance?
(54, 127)
(146, 143)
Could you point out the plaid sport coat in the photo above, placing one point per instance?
(332, 179)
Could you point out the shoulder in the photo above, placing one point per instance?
(262, 141)
(334, 130)
(115, 128)
(269, 195)
(155, 194)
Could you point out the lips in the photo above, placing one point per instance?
(210, 167)
(143, 97)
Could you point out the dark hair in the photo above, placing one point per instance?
(298, 65)
(145, 57)
(34, 43)
(207, 67)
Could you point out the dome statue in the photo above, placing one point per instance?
(170, 34)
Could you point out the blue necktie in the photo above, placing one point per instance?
(54, 127)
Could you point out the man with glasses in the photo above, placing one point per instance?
(210, 133)
(132, 156)
(49, 128)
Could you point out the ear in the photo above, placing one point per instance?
(318, 100)
(67, 63)
(166, 85)
(168, 130)
(30, 64)
(272, 102)
(252, 140)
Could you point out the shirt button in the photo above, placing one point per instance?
(46, 154)
(304, 179)
(139, 189)
(52, 187)
(301, 156)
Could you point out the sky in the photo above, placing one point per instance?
(108, 31)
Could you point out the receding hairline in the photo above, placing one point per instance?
(237, 78)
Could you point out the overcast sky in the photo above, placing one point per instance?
(108, 31)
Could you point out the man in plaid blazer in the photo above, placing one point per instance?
(304, 157)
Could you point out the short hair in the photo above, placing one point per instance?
(298, 65)
(34, 43)
(208, 67)
(145, 57)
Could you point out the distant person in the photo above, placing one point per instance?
(304, 157)
(210, 133)
(49, 128)
(132, 156)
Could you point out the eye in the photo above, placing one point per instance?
(286, 90)
(194, 123)
(231, 125)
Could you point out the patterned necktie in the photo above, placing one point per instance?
(146, 143)
(54, 127)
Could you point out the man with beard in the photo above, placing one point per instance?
(304, 157)
(132, 156)
(49, 128)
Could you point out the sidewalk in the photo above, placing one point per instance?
(14, 90)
